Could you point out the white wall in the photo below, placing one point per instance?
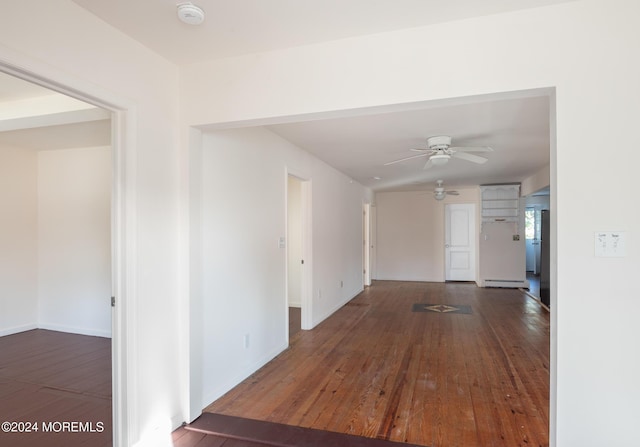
(337, 239)
(55, 240)
(244, 185)
(585, 50)
(410, 237)
(74, 240)
(18, 240)
(410, 234)
(59, 40)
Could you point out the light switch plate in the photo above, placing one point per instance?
(610, 244)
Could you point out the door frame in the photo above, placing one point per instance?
(306, 285)
(123, 224)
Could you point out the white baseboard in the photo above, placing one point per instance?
(335, 308)
(75, 330)
(221, 389)
(506, 283)
(17, 329)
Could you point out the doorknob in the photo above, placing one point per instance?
(446, 245)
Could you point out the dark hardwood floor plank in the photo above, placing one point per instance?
(279, 435)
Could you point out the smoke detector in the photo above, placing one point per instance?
(190, 13)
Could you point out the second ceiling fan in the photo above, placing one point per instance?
(440, 151)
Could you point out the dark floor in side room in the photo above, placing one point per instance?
(47, 378)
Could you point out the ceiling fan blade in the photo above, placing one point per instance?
(470, 157)
(453, 193)
(424, 150)
(428, 164)
(405, 159)
(471, 149)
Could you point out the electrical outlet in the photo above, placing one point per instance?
(246, 341)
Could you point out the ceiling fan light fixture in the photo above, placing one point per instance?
(439, 159)
(439, 195)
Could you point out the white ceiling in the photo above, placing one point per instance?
(235, 27)
(517, 127)
(64, 136)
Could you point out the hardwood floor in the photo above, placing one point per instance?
(377, 369)
(50, 378)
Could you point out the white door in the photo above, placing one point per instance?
(460, 242)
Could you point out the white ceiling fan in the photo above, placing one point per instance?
(439, 193)
(440, 151)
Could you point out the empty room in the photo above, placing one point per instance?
(444, 346)
(462, 210)
(55, 287)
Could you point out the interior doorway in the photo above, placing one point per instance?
(535, 205)
(56, 280)
(298, 244)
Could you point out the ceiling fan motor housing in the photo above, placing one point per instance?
(439, 142)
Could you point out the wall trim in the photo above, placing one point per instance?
(17, 329)
(74, 330)
(335, 308)
(250, 369)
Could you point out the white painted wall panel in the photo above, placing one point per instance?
(18, 240)
(410, 236)
(74, 240)
(243, 269)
